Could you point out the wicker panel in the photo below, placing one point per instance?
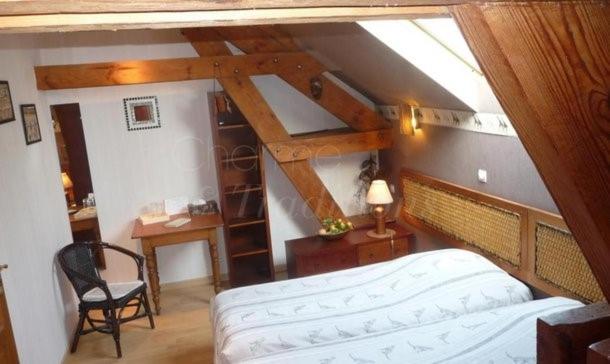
(492, 229)
(560, 262)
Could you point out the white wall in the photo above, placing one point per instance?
(290, 217)
(129, 170)
(132, 169)
(33, 219)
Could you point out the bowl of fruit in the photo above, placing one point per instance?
(334, 229)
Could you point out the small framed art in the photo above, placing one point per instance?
(142, 113)
(31, 128)
(7, 113)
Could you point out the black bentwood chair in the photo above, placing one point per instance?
(78, 262)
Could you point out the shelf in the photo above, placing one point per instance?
(237, 159)
(245, 221)
(247, 253)
(235, 190)
(233, 126)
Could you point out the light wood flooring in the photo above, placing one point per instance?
(183, 333)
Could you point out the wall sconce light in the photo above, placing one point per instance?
(409, 119)
(415, 116)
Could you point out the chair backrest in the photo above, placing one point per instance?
(78, 262)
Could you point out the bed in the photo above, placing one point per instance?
(425, 307)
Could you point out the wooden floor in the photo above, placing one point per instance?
(182, 335)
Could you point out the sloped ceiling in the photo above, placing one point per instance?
(369, 65)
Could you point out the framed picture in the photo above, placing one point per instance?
(142, 113)
(7, 113)
(31, 129)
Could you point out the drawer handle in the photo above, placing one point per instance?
(371, 255)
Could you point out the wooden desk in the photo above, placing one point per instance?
(156, 235)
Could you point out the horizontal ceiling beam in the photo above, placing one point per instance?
(330, 145)
(106, 19)
(29, 7)
(170, 70)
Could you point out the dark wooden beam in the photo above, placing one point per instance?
(169, 70)
(330, 145)
(268, 128)
(549, 66)
(112, 19)
(334, 99)
(29, 7)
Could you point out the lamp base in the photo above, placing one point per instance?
(373, 234)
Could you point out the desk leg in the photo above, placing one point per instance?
(153, 275)
(213, 242)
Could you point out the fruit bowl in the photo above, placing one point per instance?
(334, 229)
(336, 236)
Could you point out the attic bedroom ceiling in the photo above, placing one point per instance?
(381, 73)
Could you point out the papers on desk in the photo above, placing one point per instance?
(176, 205)
(153, 218)
(178, 222)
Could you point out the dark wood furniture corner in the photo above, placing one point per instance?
(155, 235)
(564, 337)
(314, 255)
(599, 353)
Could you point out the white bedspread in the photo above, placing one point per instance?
(502, 335)
(296, 317)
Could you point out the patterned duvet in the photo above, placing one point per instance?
(422, 308)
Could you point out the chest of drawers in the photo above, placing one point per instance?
(314, 255)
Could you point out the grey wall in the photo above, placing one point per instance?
(455, 155)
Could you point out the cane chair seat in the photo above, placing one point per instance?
(117, 290)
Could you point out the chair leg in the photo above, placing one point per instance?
(79, 329)
(116, 333)
(148, 311)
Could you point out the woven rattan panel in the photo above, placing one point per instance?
(560, 262)
(491, 229)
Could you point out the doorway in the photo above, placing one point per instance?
(76, 175)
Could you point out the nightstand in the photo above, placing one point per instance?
(314, 255)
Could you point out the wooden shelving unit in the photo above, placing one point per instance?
(241, 181)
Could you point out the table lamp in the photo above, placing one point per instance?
(379, 195)
(68, 188)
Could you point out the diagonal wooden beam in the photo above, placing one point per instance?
(269, 129)
(549, 66)
(168, 70)
(330, 145)
(263, 39)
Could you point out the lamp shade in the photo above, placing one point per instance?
(379, 193)
(66, 181)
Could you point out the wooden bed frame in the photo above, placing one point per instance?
(529, 220)
(574, 336)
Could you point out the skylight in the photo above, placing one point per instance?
(436, 47)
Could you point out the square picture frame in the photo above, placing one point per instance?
(7, 112)
(31, 127)
(142, 113)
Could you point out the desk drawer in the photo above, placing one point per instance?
(327, 263)
(374, 253)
